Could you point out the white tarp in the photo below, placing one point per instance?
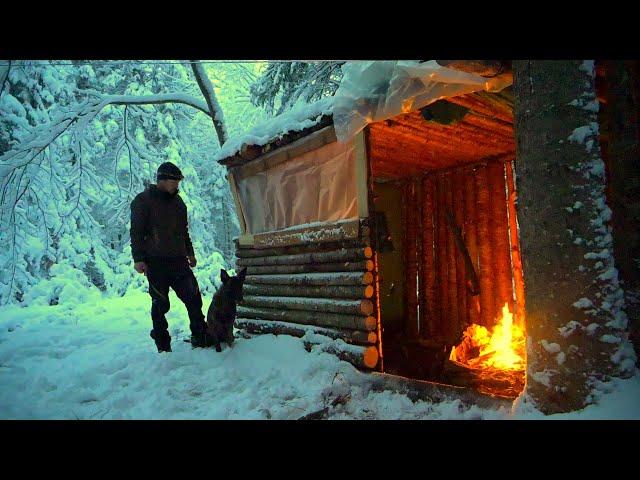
(371, 91)
(318, 186)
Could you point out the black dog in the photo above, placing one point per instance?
(222, 311)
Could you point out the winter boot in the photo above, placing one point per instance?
(163, 342)
(202, 340)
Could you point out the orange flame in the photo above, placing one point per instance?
(503, 349)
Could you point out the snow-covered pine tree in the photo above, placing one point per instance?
(282, 84)
(77, 143)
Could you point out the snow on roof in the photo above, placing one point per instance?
(298, 118)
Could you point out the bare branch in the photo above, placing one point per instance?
(210, 96)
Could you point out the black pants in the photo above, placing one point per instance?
(162, 274)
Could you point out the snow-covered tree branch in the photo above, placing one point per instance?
(71, 160)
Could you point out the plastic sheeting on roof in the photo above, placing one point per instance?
(371, 91)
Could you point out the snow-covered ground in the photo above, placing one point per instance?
(95, 360)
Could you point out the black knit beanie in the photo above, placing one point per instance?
(168, 171)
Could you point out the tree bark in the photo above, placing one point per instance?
(621, 125)
(565, 245)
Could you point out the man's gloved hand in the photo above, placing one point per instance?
(140, 267)
(192, 261)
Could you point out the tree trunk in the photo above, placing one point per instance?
(620, 123)
(210, 96)
(565, 247)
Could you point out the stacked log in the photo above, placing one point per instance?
(356, 337)
(331, 291)
(316, 282)
(313, 279)
(333, 256)
(365, 265)
(302, 317)
(355, 307)
(362, 357)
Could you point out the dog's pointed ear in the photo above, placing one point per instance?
(242, 274)
(224, 276)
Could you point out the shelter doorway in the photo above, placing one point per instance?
(454, 276)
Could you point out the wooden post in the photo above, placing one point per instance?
(414, 331)
(361, 174)
(236, 198)
(441, 257)
(452, 287)
(470, 230)
(487, 294)
(500, 233)
(458, 212)
(428, 326)
(408, 207)
(516, 261)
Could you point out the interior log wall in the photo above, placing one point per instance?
(439, 302)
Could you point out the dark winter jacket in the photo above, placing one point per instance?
(159, 226)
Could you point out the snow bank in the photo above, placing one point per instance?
(95, 360)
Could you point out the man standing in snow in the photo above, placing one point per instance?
(162, 250)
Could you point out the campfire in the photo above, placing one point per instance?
(497, 358)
